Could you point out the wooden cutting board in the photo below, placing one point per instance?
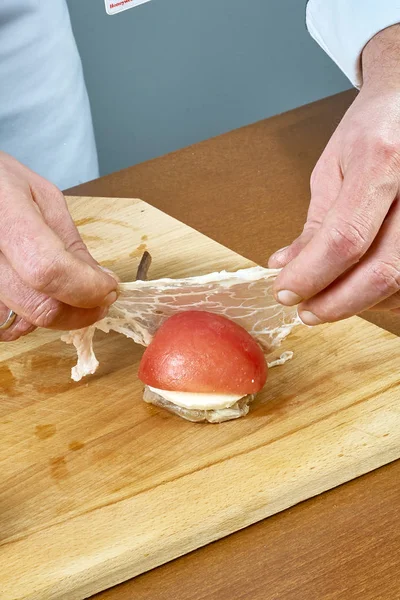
(97, 486)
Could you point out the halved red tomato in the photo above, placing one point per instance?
(201, 352)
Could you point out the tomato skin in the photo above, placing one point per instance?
(201, 352)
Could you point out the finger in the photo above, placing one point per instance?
(53, 207)
(19, 328)
(344, 237)
(325, 184)
(388, 303)
(40, 258)
(375, 280)
(40, 310)
(55, 211)
(285, 255)
(110, 272)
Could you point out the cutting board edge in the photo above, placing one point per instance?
(118, 576)
(381, 459)
(343, 473)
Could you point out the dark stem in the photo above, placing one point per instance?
(144, 267)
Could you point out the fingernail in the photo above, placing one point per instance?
(280, 250)
(109, 272)
(277, 256)
(288, 298)
(308, 318)
(110, 299)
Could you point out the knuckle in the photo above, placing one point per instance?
(54, 190)
(381, 152)
(76, 245)
(55, 202)
(43, 186)
(348, 242)
(385, 277)
(45, 313)
(42, 273)
(310, 227)
(385, 148)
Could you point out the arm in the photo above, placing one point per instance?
(344, 27)
(380, 60)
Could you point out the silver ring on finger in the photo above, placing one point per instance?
(9, 320)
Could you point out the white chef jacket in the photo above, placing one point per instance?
(343, 27)
(45, 119)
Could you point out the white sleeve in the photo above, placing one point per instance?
(343, 27)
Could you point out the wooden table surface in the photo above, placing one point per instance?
(249, 190)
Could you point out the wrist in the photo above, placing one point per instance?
(380, 61)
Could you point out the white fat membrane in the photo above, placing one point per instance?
(244, 297)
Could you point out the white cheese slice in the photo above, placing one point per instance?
(198, 401)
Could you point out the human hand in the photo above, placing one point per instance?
(47, 275)
(347, 258)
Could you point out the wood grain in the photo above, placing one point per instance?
(88, 499)
(250, 562)
(341, 544)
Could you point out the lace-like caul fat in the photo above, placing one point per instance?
(244, 296)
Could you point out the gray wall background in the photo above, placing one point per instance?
(169, 73)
